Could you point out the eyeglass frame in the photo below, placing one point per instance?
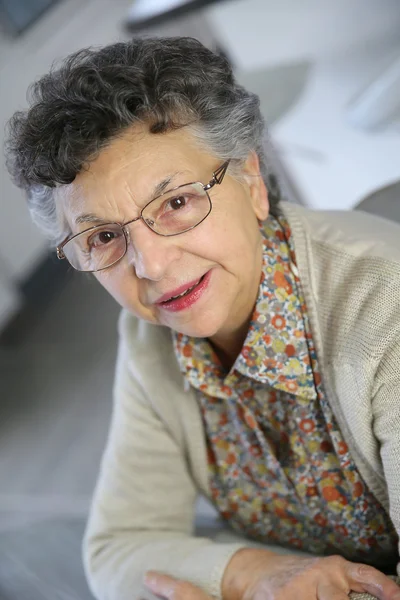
(217, 178)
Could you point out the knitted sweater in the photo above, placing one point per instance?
(155, 462)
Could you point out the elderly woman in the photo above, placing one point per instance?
(259, 352)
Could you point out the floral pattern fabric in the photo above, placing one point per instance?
(280, 470)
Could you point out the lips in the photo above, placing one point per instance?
(186, 296)
(179, 292)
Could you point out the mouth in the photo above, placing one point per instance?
(186, 297)
(190, 289)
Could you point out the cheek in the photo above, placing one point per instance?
(235, 213)
(233, 236)
(122, 288)
(107, 282)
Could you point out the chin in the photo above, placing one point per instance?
(201, 328)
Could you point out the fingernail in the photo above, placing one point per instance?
(150, 579)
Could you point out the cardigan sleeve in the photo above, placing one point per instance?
(386, 412)
(142, 511)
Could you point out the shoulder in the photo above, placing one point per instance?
(349, 260)
(349, 265)
(353, 233)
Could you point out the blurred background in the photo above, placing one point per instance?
(328, 76)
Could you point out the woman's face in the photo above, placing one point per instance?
(224, 251)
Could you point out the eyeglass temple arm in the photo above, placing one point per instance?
(218, 176)
(60, 253)
(59, 249)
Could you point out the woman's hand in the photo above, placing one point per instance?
(254, 574)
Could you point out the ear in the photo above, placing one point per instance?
(256, 186)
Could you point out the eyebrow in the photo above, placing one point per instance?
(157, 191)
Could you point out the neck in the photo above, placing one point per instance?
(228, 346)
(228, 342)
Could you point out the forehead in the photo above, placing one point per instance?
(130, 167)
(138, 151)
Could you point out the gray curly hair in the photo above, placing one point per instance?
(79, 108)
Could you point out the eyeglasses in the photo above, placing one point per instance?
(172, 213)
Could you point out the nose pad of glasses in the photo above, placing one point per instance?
(149, 222)
(127, 234)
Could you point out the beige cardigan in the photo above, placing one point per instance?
(155, 463)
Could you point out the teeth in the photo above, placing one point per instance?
(183, 293)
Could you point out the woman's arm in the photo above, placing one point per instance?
(386, 413)
(143, 508)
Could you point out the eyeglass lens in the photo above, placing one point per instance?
(172, 213)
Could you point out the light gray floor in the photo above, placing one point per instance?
(54, 416)
(56, 401)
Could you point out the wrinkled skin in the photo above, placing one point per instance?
(261, 575)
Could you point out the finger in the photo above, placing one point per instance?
(171, 588)
(363, 578)
(161, 584)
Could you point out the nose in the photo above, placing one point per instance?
(151, 255)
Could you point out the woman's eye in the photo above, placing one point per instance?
(101, 239)
(178, 202)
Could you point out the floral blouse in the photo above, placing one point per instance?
(280, 470)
